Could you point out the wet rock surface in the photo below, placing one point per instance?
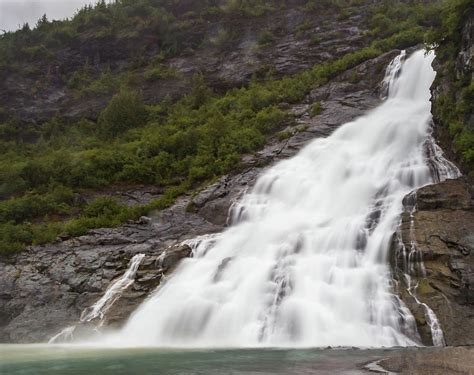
(46, 288)
(443, 233)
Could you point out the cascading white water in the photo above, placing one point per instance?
(391, 74)
(305, 261)
(100, 308)
(113, 291)
(65, 335)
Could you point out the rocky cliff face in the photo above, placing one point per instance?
(47, 288)
(438, 239)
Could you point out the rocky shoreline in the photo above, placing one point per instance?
(429, 361)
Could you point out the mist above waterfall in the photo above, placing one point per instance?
(305, 262)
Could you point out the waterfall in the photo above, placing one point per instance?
(65, 335)
(437, 335)
(391, 74)
(98, 309)
(305, 260)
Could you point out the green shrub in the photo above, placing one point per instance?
(79, 79)
(464, 144)
(106, 83)
(35, 52)
(124, 111)
(284, 134)
(314, 39)
(154, 74)
(252, 8)
(301, 29)
(159, 72)
(266, 37)
(103, 206)
(223, 39)
(269, 119)
(315, 109)
(381, 24)
(32, 205)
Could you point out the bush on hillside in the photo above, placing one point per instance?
(124, 111)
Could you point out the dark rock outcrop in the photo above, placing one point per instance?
(442, 229)
(47, 287)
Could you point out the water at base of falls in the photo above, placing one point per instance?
(305, 261)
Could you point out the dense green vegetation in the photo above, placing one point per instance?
(140, 27)
(455, 105)
(177, 145)
(146, 32)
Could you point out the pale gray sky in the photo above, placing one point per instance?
(14, 13)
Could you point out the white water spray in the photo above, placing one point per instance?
(391, 74)
(100, 308)
(305, 262)
(437, 335)
(113, 292)
(65, 335)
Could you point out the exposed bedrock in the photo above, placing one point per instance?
(442, 231)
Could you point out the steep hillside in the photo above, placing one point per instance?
(453, 91)
(143, 101)
(73, 68)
